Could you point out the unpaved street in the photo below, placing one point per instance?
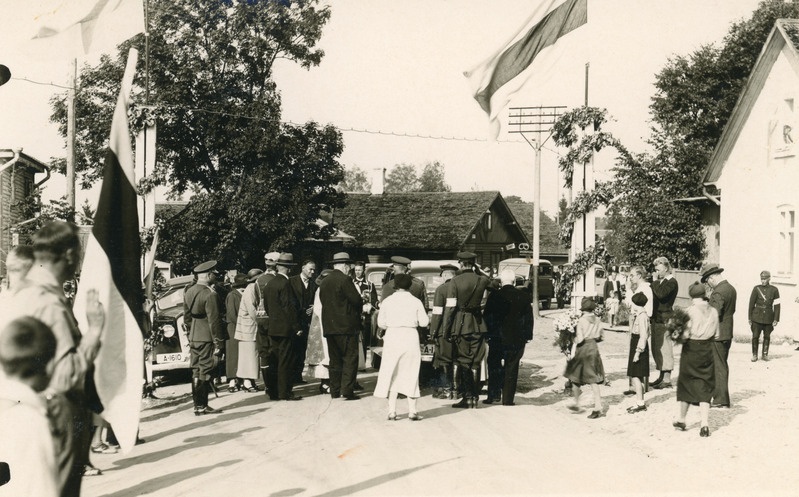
(325, 447)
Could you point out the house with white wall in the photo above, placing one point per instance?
(755, 167)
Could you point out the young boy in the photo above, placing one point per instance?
(27, 347)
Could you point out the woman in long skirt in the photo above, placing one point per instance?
(316, 355)
(638, 360)
(585, 366)
(246, 331)
(696, 381)
(400, 315)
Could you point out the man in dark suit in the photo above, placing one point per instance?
(284, 327)
(464, 325)
(509, 317)
(202, 316)
(723, 300)
(401, 265)
(764, 313)
(266, 359)
(341, 323)
(664, 290)
(369, 296)
(304, 288)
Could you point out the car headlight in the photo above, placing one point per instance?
(168, 330)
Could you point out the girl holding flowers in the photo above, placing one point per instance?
(585, 366)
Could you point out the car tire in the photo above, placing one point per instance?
(546, 304)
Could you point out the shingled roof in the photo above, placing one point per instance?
(523, 212)
(435, 221)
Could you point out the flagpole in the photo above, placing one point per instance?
(71, 125)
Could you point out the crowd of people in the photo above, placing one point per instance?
(271, 325)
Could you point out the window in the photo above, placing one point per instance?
(487, 220)
(787, 240)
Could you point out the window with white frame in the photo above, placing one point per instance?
(787, 239)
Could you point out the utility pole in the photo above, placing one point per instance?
(538, 122)
(73, 83)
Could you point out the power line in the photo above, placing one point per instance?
(43, 84)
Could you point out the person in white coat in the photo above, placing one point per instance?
(400, 315)
(246, 331)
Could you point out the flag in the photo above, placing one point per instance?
(90, 25)
(112, 267)
(550, 21)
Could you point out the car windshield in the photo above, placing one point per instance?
(173, 298)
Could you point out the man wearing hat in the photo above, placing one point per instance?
(443, 357)
(268, 366)
(232, 304)
(284, 327)
(202, 316)
(764, 313)
(341, 323)
(401, 265)
(723, 300)
(464, 325)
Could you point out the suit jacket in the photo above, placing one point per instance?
(665, 293)
(462, 313)
(341, 305)
(304, 297)
(232, 303)
(202, 314)
(764, 304)
(417, 289)
(509, 315)
(281, 306)
(723, 300)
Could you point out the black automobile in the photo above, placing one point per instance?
(170, 345)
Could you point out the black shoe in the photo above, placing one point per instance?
(655, 383)
(719, 406)
(293, 397)
(206, 410)
(595, 414)
(357, 386)
(635, 409)
(462, 404)
(351, 396)
(704, 431)
(629, 392)
(678, 425)
(324, 388)
(662, 385)
(490, 401)
(335, 395)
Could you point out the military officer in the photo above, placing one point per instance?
(443, 358)
(401, 265)
(464, 326)
(764, 313)
(202, 317)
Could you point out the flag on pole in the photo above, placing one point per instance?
(112, 267)
(550, 21)
(92, 25)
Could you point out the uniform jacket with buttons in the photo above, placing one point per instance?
(462, 313)
(202, 314)
(764, 304)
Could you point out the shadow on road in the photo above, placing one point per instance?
(165, 481)
(378, 480)
(208, 419)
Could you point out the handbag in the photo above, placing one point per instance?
(261, 317)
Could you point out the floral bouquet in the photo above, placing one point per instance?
(600, 310)
(677, 325)
(565, 327)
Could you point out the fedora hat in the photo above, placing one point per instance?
(253, 274)
(708, 269)
(240, 280)
(270, 259)
(286, 260)
(341, 257)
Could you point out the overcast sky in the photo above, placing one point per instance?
(396, 67)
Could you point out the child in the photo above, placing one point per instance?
(585, 366)
(27, 347)
(638, 363)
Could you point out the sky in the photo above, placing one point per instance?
(396, 68)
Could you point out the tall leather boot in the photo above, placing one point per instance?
(448, 387)
(195, 396)
(755, 344)
(204, 389)
(476, 386)
(460, 381)
(766, 343)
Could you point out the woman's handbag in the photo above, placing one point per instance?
(261, 317)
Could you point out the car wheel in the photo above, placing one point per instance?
(545, 304)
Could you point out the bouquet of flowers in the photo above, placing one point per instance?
(677, 325)
(565, 327)
(600, 310)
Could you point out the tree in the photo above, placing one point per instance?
(218, 114)
(563, 207)
(356, 181)
(402, 179)
(432, 178)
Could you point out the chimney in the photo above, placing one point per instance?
(378, 180)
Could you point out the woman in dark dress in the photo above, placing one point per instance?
(585, 366)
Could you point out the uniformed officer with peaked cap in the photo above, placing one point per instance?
(764, 313)
(401, 265)
(464, 325)
(202, 317)
(443, 356)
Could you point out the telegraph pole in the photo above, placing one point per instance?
(537, 122)
(71, 123)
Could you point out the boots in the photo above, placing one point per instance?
(460, 384)
(448, 383)
(195, 395)
(476, 387)
(766, 341)
(270, 383)
(755, 344)
(202, 387)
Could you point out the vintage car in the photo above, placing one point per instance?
(523, 268)
(170, 349)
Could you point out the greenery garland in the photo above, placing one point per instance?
(583, 262)
(582, 204)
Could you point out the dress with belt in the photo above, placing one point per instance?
(697, 380)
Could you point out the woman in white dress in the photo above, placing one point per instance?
(246, 330)
(400, 315)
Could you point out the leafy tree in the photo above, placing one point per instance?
(356, 180)
(402, 179)
(432, 178)
(563, 210)
(218, 114)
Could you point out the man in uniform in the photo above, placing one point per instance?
(764, 313)
(443, 358)
(202, 317)
(723, 300)
(464, 325)
(284, 327)
(401, 265)
(268, 366)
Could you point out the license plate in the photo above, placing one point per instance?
(428, 349)
(166, 358)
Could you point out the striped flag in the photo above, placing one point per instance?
(90, 25)
(550, 21)
(112, 267)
